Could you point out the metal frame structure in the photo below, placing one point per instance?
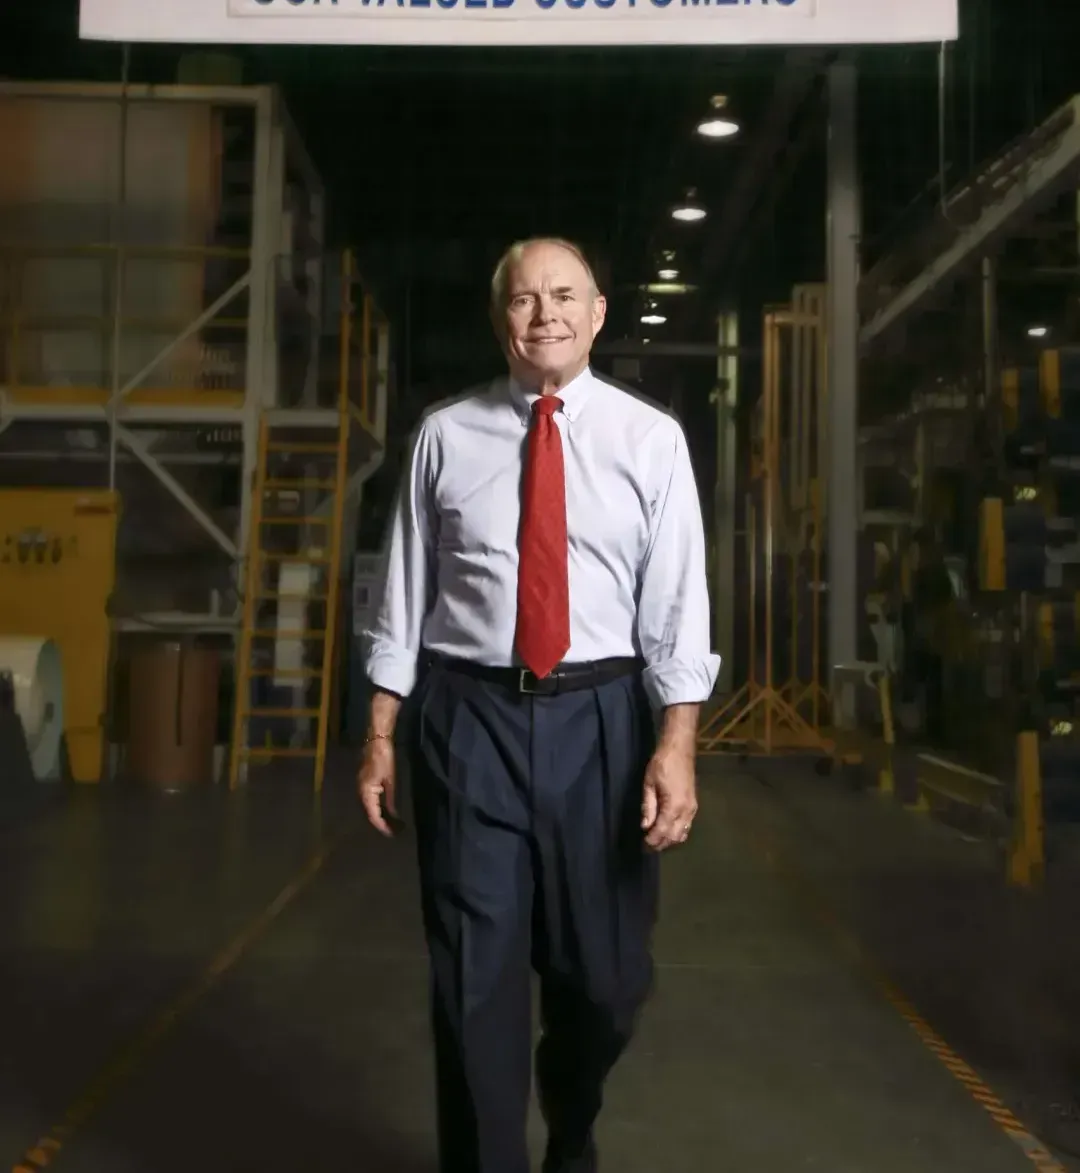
(127, 404)
(970, 224)
(762, 717)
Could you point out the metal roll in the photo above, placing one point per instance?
(36, 670)
(1059, 762)
(1020, 397)
(1023, 549)
(1060, 438)
(1059, 636)
(1059, 382)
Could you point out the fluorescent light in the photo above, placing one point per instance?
(653, 319)
(668, 287)
(688, 213)
(668, 274)
(1038, 331)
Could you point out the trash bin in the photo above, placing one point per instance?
(173, 714)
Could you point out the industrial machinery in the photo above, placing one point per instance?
(180, 319)
(1030, 556)
(57, 568)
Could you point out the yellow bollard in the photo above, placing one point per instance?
(1027, 859)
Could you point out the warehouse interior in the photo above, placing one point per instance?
(232, 279)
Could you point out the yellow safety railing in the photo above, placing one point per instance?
(279, 538)
(75, 329)
(365, 334)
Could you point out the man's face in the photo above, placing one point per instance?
(551, 316)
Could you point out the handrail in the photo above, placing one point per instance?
(362, 325)
(178, 252)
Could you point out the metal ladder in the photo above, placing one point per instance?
(289, 541)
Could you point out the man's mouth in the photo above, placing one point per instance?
(548, 340)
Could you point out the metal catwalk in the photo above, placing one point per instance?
(238, 982)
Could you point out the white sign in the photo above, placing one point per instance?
(522, 22)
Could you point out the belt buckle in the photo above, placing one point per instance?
(529, 684)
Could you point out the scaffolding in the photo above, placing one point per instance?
(773, 713)
(162, 305)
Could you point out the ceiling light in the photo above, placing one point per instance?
(663, 287)
(1038, 331)
(719, 124)
(689, 211)
(668, 274)
(653, 319)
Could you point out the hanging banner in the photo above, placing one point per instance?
(522, 22)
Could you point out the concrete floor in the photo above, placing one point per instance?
(767, 1045)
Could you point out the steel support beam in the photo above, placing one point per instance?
(151, 414)
(191, 329)
(841, 435)
(1032, 184)
(130, 440)
(727, 401)
(634, 348)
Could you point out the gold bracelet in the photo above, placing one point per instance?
(378, 737)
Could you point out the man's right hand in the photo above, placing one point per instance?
(376, 783)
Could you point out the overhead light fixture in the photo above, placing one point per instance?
(689, 211)
(1038, 331)
(663, 287)
(668, 274)
(719, 124)
(653, 319)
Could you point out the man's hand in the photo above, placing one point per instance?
(376, 784)
(670, 799)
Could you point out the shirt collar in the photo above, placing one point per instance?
(573, 395)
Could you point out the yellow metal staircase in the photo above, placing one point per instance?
(287, 652)
(285, 659)
(286, 656)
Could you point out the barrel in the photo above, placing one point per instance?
(173, 714)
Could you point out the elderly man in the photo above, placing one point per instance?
(546, 603)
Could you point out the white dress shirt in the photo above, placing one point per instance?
(637, 548)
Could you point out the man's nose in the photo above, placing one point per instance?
(544, 310)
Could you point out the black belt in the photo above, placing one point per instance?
(564, 678)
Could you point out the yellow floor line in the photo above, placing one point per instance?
(44, 1152)
(1032, 1148)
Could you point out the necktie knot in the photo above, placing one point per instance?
(547, 405)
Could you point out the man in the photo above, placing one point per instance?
(546, 604)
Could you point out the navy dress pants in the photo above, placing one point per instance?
(532, 857)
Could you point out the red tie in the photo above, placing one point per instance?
(543, 617)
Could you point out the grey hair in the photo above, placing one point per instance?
(518, 249)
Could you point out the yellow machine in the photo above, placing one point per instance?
(57, 570)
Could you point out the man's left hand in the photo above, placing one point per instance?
(670, 799)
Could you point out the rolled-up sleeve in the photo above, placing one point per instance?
(392, 642)
(673, 608)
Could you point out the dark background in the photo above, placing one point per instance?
(435, 159)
